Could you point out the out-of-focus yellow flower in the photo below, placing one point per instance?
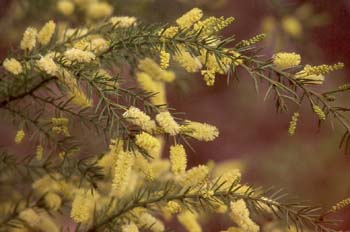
(292, 26)
(65, 7)
(240, 215)
(98, 10)
(189, 220)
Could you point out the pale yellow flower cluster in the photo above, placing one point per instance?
(150, 67)
(199, 131)
(40, 221)
(82, 206)
(188, 19)
(167, 123)
(178, 159)
(189, 220)
(139, 118)
(148, 221)
(74, 54)
(13, 66)
(195, 176)
(93, 10)
(39, 152)
(46, 33)
(293, 124)
(148, 84)
(206, 28)
(189, 62)
(47, 65)
(19, 136)
(65, 7)
(29, 39)
(284, 60)
(241, 216)
(149, 143)
(122, 169)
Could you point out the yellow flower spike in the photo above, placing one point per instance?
(47, 65)
(65, 7)
(322, 69)
(319, 112)
(13, 66)
(122, 171)
(199, 131)
(292, 26)
(252, 41)
(19, 136)
(293, 124)
(178, 159)
(98, 10)
(189, 18)
(149, 143)
(241, 216)
(45, 34)
(82, 206)
(284, 60)
(28, 41)
(189, 220)
(340, 205)
(79, 98)
(164, 59)
(167, 123)
(39, 152)
(139, 118)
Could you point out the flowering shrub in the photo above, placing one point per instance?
(65, 79)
